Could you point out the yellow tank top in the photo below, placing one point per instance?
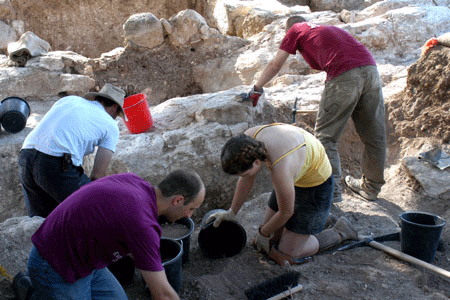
(316, 169)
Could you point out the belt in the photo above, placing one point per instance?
(66, 158)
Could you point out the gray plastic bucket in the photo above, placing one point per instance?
(420, 234)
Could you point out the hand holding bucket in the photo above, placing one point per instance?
(138, 114)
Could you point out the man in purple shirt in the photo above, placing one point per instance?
(352, 90)
(103, 221)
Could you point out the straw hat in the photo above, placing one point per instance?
(112, 93)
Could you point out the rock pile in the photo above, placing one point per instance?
(423, 108)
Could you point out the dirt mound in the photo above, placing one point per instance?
(162, 73)
(87, 27)
(422, 109)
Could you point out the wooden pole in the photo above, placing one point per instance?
(410, 259)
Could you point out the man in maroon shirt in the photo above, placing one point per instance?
(103, 221)
(352, 90)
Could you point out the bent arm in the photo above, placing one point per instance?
(272, 69)
(283, 184)
(101, 163)
(159, 286)
(243, 188)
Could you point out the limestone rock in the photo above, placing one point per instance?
(40, 84)
(255, 22)
(143, 30)
(187, 27)
(246, 18)
(338, 5)
(403, 30)
(15, 234)
(46, 77)
(433, 180)
(30, 42)
(382, 7)
(347, 16)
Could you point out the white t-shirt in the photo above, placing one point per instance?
(74, 125)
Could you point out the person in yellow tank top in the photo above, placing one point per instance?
(298, 211)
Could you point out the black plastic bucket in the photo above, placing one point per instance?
(185, 236)
(224, 241)
(14, 112)
(420, 233)
(171, 255)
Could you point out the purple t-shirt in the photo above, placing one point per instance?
(326, 48)
(98, 224)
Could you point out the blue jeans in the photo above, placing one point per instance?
(48, 284)
(45, 182)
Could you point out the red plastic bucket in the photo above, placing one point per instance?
(138, 113)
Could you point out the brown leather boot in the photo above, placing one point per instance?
(335, 235)
(331, 220)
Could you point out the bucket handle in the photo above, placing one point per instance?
(133, 104)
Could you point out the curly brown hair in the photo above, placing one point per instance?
(239, 153)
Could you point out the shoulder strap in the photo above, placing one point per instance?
(287, 153)
(264, 126)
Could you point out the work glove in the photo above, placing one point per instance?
(220, 216)
(263, 243)
(254, 95)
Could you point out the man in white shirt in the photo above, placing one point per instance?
(50, 161)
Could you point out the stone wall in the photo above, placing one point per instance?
(86, 27)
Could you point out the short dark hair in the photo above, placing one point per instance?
(186, 183)
(239, 153)
(293, 20)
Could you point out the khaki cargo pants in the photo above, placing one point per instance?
(357, 94)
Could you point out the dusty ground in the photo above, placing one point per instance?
(416, 116)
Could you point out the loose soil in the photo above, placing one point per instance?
(174, 231)
(417, 116)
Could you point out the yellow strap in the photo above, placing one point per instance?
(287, 153)
(4, 273)
(264, 126)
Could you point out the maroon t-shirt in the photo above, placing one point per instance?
(98, 224)
(326, 48)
